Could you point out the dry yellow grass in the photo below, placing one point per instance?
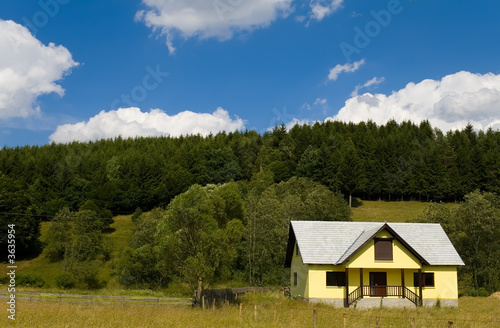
(472, 313)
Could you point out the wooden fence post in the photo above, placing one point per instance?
(345, 320)
(213, 304)
(30, 297)
(90, 299)
(59, 298)
(203, 302)
(314, 318)
(412, 322)
(122, 300)
(378, 322)
(255, 311)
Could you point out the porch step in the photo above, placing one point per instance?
(373, 302)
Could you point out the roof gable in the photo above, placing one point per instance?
(322, 242)
(369, 235)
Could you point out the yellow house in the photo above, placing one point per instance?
(368, 264)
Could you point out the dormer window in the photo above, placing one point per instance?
(383, 249)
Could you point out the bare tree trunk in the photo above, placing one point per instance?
(198, 292)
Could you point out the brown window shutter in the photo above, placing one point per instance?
(383, 249)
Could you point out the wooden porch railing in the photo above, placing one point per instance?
(414, 298)
(383, 291)
(354, 296)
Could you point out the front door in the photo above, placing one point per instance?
(378, 284)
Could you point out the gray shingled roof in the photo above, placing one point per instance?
(326, 242)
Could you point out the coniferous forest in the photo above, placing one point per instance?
(388, 162)
(395, 161)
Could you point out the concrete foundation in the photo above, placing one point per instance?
(444, 302)
(337, 302)
(366, 303)
(374, 302)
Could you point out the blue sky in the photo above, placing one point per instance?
(85, 70)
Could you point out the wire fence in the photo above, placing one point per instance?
(91, 299)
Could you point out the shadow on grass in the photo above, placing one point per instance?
(109, 230)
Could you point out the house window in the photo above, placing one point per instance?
(335, 279)
(428, 279)
(296, 249)
(295, 278)
(383, 249)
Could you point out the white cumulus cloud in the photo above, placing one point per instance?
(323, 8)
(346, 68)
(28, 69)
(132, 122)
(369, 83)
(448, 104)
(212, 18)
(296, 121)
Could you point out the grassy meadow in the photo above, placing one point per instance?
(381, 211)
(472, 312)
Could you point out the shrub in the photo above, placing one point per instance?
(29, 280)
(85, 275)
(137, 214)
(107, 218)
(65, 280)
(477, 292)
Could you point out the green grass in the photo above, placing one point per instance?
(119, 238)
(380, 211)
(122, 230)
(475, 312)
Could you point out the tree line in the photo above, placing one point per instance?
(395, 161)
(390, 161)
